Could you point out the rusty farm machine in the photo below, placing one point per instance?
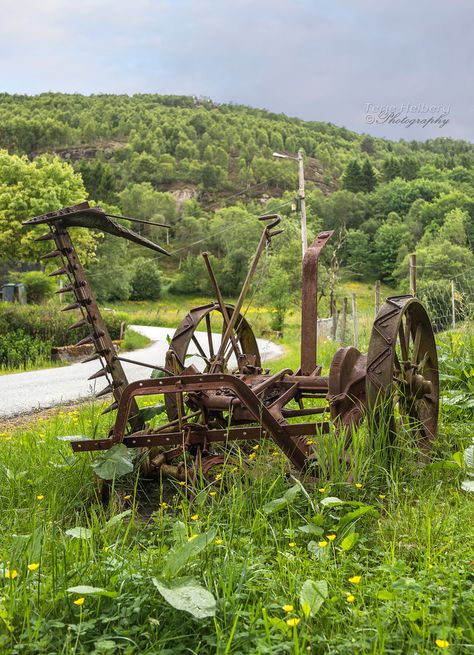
(227, 396)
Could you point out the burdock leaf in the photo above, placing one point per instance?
(113, 463)
(189, 596)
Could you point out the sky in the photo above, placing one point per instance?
(392, 69)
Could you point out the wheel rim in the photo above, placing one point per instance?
(402, 372)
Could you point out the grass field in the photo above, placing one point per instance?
(269, 565)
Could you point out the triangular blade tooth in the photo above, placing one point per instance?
(66, 289)
(45, 237)
(91, 358)
(110, 408)
(82, 342)
(50, 255)
(108, 389)
(59, 271)
(82, 323)
(99, 374)
(68, 308)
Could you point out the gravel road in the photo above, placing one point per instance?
(24, 392)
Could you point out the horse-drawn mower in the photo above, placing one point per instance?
(226, 396)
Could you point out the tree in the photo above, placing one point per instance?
(352, 179)
(31, 188)
(390, 169)
(388, 239)
(368, 177)
(146, 280)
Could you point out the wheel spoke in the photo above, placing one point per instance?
(408, 332)
(403, 343)
(209, 336)
(416, 344)
(201, 351)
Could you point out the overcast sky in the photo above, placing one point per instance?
(357, 63)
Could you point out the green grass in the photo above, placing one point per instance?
(413, 552)
(134, 340)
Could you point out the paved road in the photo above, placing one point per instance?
(24, 392)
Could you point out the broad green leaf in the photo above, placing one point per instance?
(287, 498)
(445, 465)
(179, 532)
(118, 518)
(275, 505)
(469, 457)
(148, 413)
(189, 596)
(79, 533)
(331, 500)
(312, 596)
(157, 373)
(86, 590)
(113, 463)
(467, 485)
(356, 514)
(350, 541)
(384, 594)
(292, 492)
(180, 556)
(310, 528)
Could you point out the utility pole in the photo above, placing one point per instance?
(301, 196)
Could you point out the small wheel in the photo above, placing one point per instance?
(402, 372)
(197, 340)
(199, 336)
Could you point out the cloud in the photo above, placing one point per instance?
(315, 59)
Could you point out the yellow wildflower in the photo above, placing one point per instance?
(330, 537)
(322, 489)
(212, 493)
(33, 566)
(218, 476)
(127, 497)
(11, 574)
(219, 541)
(256, 447)
(323, 544)
(194, 517)
(252, 456)
(164, 505)
(293, 622)
(79, 601)
(39, 497)
(355, 579)
(234, 469)
(292, 544)
(350, 598)
(442, 643)
(288, 608)
(382, 496)
(358, 485)
(182, 483)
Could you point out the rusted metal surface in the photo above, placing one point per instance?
(209, 404)
(402, 370)
(309, 303)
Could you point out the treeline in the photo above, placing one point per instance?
(207, 171)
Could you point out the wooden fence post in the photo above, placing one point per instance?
(377, 297)
(413, 275)
(342, 336)
(354, 320)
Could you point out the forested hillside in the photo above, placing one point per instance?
(207, 170)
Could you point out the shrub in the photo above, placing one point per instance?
(146, 280)
(21, 350)
(39, 286)
(48, 323)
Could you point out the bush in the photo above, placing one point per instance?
(146, 280)
(39, 286)
(48, 323)
(21, 350)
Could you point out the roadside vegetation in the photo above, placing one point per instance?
(256, 560)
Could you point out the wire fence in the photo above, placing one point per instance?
(448, 301)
